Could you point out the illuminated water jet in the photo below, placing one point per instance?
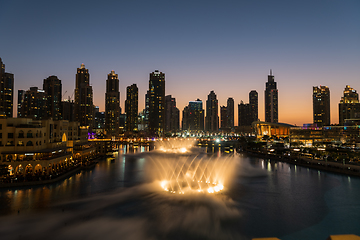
(192, 172)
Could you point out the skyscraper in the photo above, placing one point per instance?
(244, 115)
(193, 116)
(112, 105)
(212, 116)
(53, 88)
(6, 92)
(84, 108)
(68, 107)
(35, 104)
(321, 106)
(349, 106)
(21, 95)
(248, 112)
(131, 108)
(172, 115)
(253, 101)
(271, 100)
(156, 97)
(230, 113)
(223, 117)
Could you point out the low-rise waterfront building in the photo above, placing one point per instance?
(37, 147)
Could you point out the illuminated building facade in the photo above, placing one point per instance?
(349, 106)
(52, 86)
(6, 91)
(31, 147)
(84, 108)
(156, 96)
(212, 116)
(112, 105)
(172, 115)
(35, 104)
(271, 100)
(131, 108)
(321, 106)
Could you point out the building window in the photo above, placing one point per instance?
(29, 134)
(21, 134)
(29, 143)
(10, 135)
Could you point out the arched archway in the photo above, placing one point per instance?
(38, 169)
(19, 169)
(29, 169)
(64, 138)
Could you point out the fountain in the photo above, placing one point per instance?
(181, 169)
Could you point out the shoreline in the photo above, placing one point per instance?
(334, 167)
(53, 180)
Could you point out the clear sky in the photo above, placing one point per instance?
(225, 46)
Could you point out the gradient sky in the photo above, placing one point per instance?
(225, 46)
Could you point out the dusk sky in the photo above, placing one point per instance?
(225, 46)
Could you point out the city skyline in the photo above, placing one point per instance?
(228, 48)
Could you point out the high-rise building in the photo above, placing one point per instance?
(84, 108)
(321, 106)
(253, 101)
(223, 117)
(68, 108)
(212, 116)
(172, 115)
(193, 116)
(349, 106)
(271, 100)
(35, 104)
(112, 105)
(53, 88)
(131, 108)
(156, 97)
(244, 114)
(230, 113)
(6, 92)
(21, 95)
(99, 118)
(185, 119)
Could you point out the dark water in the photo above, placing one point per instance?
(116, 200)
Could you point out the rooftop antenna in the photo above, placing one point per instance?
(270, 72)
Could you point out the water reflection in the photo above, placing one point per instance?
(270, 198)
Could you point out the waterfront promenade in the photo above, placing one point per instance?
(330, 166)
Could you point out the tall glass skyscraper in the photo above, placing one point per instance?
(52, 86)
(6, 92)
(131, 108)
(156, 95)
(212, 116)
(321, 106)
(271, 100)
(112, 105)
(84, 108)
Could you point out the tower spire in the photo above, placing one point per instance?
(270, 72)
